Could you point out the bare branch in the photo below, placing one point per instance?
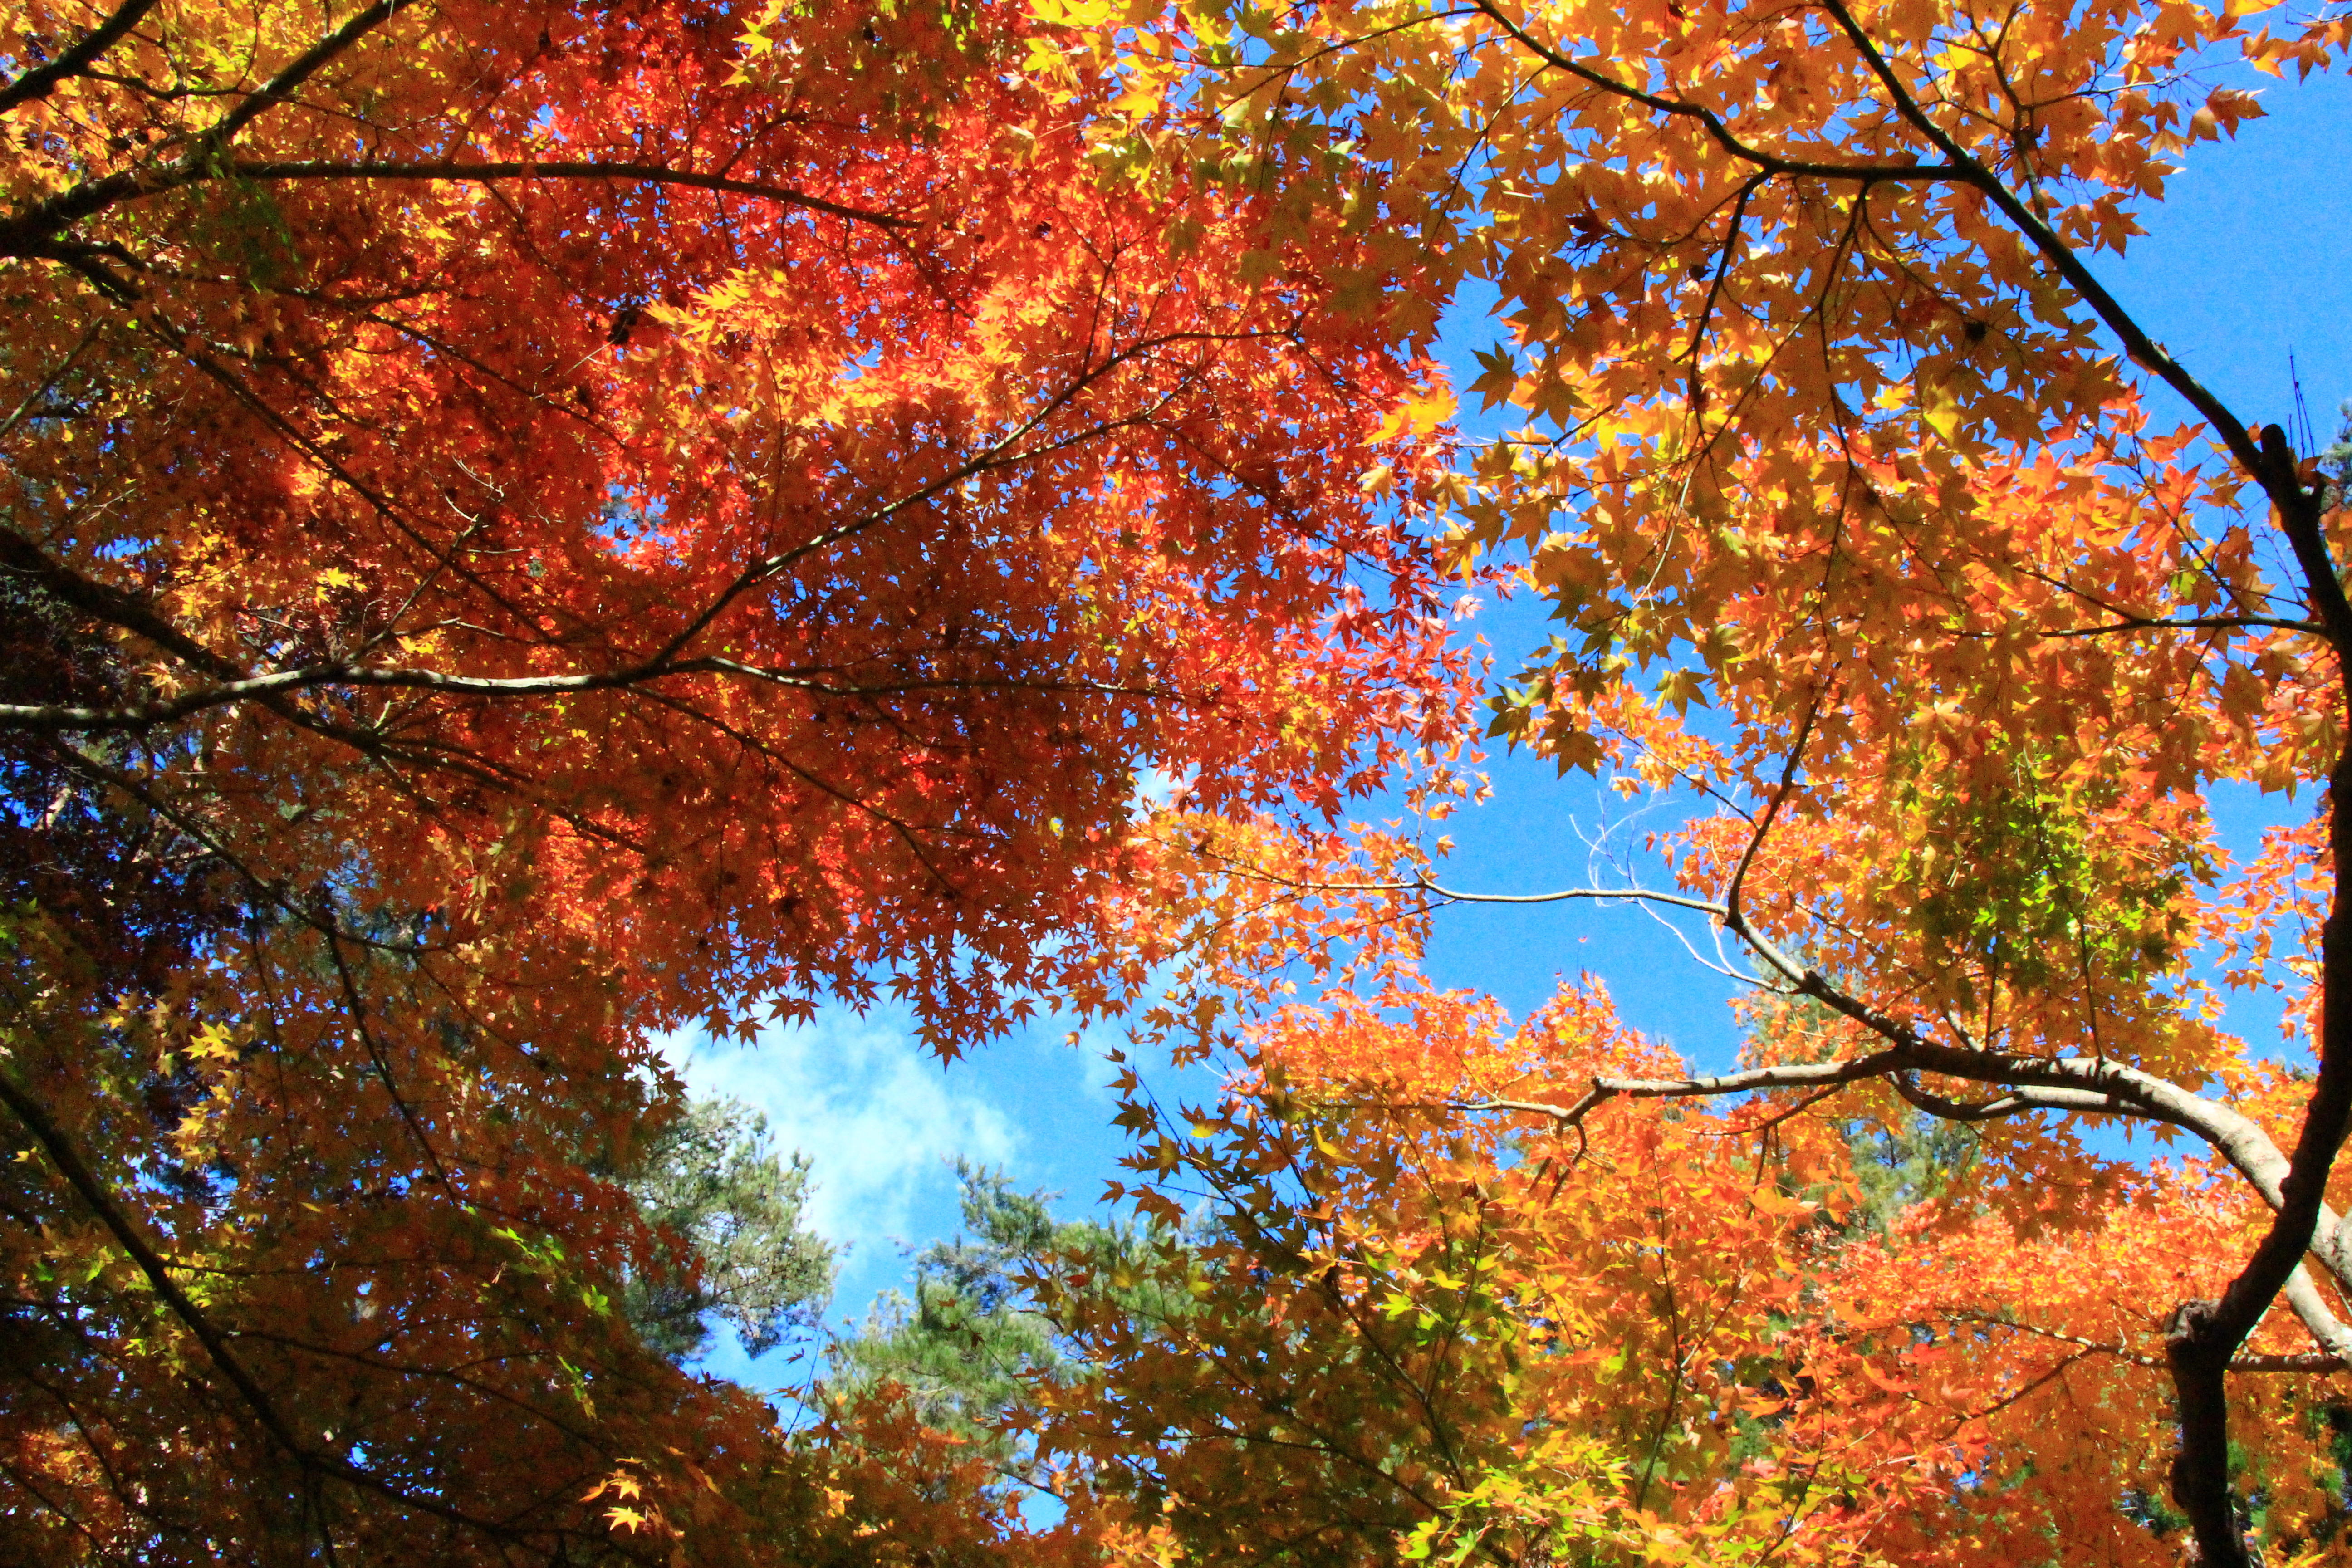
(1628, 895)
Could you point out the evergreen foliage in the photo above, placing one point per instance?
(712, 1185)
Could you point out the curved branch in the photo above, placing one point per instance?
(2332, 1333)
(2267, 459)
(2075, 1085)
(77, 58)
(69, 1164)
(1627, 895)
(1731, 919)
(2016, 1101)
(458, 170)
(1712, 122)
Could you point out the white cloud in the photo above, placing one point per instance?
(878, 1115)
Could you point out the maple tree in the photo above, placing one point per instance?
(530, 526)
(1835, 471)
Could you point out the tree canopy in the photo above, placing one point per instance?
(528, 527)
(1833, 467)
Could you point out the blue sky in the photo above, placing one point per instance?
(2245, 263)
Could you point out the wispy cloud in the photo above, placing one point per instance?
(880, 1118)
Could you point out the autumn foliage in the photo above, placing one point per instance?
(1432, 1316)
(533, 526)
(1828, 452)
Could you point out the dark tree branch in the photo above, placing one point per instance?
(297, 72)
(104, 602)
(457, 170)
(59, 718)
(77, 58)
(93, 1192)
(29, 232)
(1713, 124)
(2267, 461)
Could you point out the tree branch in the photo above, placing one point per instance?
(69, 1164)
(2287, 1363)
(78, 57)
(1770, 162)
(485, 173)
(2267, 463)
(55, 717)
(292, 75)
